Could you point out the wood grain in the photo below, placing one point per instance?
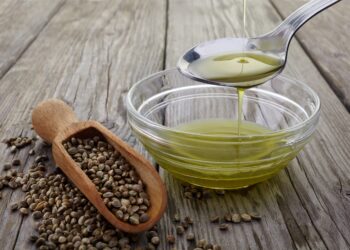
(305, 206)
(20, 23)
(89, 54)
(325, 39)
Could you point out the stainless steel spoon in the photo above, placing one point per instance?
(274, 44)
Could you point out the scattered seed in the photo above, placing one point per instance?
(31, 152)
(23, 204)
(201, 243)
(150, 246)
(7, 166)
(14, 206)
(193, 192)
(206, 193)
(151, 234)
(246, 217)
(208, 246)
(13, 149)
(170, 239)
(33, 238)
(12, 184)
(16, 162)
(177, 218)
(220, 192)
(228, 217)
(188, 220)
(215, 219)
(188, 195)
(155, 240)
(236, 218)
(216, 247)
(190, 237)
(223, 227)
(185, 225)
(41, 158)
(24, 211)
(255, 216)
(18, 142)
(180, 230)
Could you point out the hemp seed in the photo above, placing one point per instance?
(170, 239)
(246, 217)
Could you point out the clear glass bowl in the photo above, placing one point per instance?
(160, 105)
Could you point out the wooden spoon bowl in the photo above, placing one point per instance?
(55, 122)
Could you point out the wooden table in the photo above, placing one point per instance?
(89, 53)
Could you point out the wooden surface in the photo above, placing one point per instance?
(329, 52)
(20, 23)
(89, 53)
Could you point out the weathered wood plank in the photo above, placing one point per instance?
(325, 39)
(93, 64)
(305, 206)
(89, 54)
(20, 23)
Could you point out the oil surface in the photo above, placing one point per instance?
(245, 69)
(218, 160)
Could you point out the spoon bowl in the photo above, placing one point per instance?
(247, 61)
(222, 62)
(55, 122)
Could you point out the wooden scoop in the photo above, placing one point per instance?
(55, 122)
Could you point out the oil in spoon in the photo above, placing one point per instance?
(244, 69)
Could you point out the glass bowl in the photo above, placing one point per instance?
(191, 128)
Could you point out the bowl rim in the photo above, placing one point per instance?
(132, 110)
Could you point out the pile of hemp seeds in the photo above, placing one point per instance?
(116, 180)
(65, 219)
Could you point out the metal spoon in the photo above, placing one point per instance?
(273, 45)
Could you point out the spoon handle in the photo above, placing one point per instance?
(286, 30)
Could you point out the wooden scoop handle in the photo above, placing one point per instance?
(50, 117)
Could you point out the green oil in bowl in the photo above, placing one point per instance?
(209, 153)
